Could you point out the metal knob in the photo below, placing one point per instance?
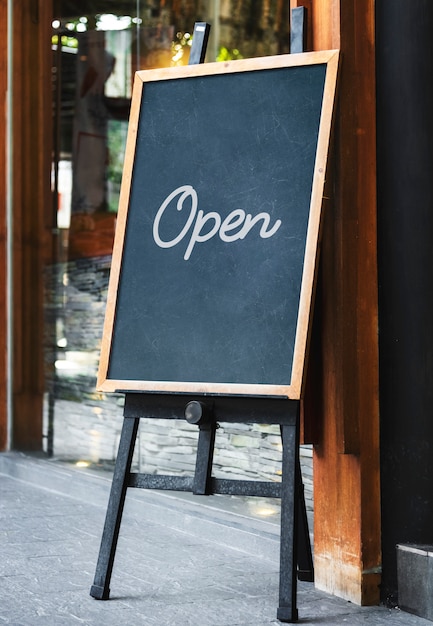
(196, 412)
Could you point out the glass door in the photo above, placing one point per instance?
(97, 45)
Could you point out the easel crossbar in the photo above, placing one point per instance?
(222, 486)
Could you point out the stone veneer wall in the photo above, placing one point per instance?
(87, 424)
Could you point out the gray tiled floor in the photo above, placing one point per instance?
(177, 562)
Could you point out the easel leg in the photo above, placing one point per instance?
(101, 584)
(305, 556)
(287, 611)
(203, 467)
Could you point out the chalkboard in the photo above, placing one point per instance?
(217, 235)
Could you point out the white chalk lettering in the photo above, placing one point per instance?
(232, 221)
(185, 191)
(207, 225)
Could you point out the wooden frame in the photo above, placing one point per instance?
(293, 390)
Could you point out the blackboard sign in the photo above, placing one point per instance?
(219, 220)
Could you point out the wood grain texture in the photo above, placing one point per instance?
(3, 227)
(31, 195)
(341, 404)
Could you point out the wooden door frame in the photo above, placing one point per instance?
(4, 411)
(31, 197)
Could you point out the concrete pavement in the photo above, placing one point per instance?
(180, 559)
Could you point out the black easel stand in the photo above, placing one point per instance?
(295, 547)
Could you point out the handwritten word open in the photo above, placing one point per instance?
(200, 226)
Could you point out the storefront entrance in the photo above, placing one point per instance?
(60, 184)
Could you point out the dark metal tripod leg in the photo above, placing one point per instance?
(203, 467)
(305, 556)
(287, 611)
(101, 584)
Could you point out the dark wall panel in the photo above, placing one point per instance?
(405, 251)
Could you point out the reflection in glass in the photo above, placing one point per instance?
(97, 45)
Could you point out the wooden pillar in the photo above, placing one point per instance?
(31, 202)
(3, 226)
(342, 407)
